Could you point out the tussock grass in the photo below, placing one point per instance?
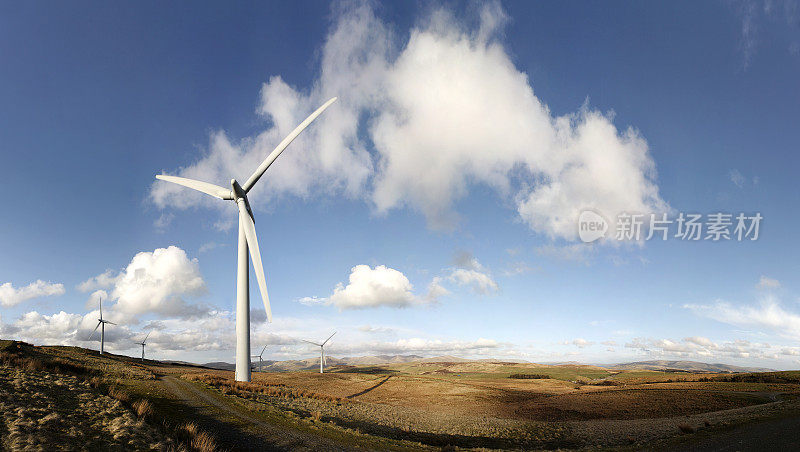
(119, 394)
(91, 379)
(143, 408)
(254, 389)
(199, 440)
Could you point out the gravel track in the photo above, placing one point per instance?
(251, 433)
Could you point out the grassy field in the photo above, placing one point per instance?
(113, 402)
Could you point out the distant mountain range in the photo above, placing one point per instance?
(313, 363)
(359, 361)
(687, 366)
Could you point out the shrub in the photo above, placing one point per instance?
(529, 376)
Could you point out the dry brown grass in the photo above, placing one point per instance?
(254, 389)
(119, 394)
(198, 439)
(46, 411)
(143, 408)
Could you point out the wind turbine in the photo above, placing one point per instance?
(321, 346)
(259, 357)
(143, 343)
(247, 241)
(102, 324)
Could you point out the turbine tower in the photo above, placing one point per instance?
(143, 343)
(102, 324)
(247, 241)
(259, 358)
(321, 346)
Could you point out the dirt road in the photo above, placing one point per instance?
(237, 429)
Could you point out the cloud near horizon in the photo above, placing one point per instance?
(767, 315)
(10, 296)
(702, 348)
(422, 98)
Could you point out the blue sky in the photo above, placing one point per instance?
(439, 192)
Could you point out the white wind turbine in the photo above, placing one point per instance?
(102, 324)
(322, 359)
(259, 358)
(247, 241)
(143, 343)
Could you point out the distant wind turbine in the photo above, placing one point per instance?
(259, 358)
(102, 324)
(143, 343)
(247, 241)
(322, 359)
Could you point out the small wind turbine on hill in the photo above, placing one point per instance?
(143, 343)
(259, 358)
(321, 346)
(247, 241)
(102, 324)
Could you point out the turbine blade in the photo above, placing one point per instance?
(110, 322)
(252, 244)
(101, 309)
(94, 330)
(210, 189)
(262, 351)
(283, 144)
(329, 338)
(145, 338)
(314, 343)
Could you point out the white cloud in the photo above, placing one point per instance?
(421, 346)
(748, 11)
(699, 340)
(206, 247)
(737, 178)
(153, 282)
(312, 301)
(436, 290)
(768, 283)
(162, 222)
(369, 287)
(480, 282)
(579, 342)
(373, 287)
(424, 110)
(375, 329)
(470, 272)
(768, 315)
(518, 268)
(10, 296)
(105, 280)
(62, 328)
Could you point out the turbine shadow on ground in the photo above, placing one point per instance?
(369, 389)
